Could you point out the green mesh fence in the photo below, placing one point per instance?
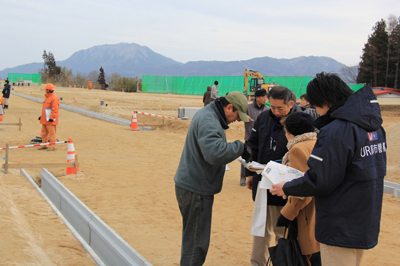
(197, 85)
(191, 85)
(298, 85)
(35, 78)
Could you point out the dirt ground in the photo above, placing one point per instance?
(127, 180)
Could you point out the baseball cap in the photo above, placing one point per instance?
(239, 101)
(260, 92)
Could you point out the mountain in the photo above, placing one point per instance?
(131, 60)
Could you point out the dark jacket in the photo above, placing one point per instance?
(346, 173)
(206, 152)
(6, 90)
(253, 110)
(207, 96)
(260, 143)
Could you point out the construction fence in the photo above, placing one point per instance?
(197, 85)
(20, 77)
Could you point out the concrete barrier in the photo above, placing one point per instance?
(187, 112)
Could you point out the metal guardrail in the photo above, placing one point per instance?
(107, 244)
(108, 118)
(392, 188)
(70, 227)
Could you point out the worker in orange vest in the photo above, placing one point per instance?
(49, 117)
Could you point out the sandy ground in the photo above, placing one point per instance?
(127, 181)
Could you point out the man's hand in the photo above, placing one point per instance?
(51, 120)
(247, 154)
(39, 118)
(249, 182)
(277, 189)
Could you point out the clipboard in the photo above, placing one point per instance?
(48, 113)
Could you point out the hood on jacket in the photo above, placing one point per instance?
(361, 108)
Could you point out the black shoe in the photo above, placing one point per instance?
(5, 107)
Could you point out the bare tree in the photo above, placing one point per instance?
(349, 74)
(93, 75)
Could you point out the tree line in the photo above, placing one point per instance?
(62, 76)
(379, 65)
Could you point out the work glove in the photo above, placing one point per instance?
(51, 120)
(39, 118)
(247, 154)
(282, 221)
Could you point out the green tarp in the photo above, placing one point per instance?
(197, 85)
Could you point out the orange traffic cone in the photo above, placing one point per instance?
(134, 124)
(71, 157)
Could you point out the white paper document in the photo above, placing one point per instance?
(48, 113)
(252, 166)
(275, 173)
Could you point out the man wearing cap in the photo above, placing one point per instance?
(201, 170)
(49, 118)
(253, 110)
(268, 143)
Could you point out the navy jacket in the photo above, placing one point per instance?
(6, 90)
(268, 125)
(346, 173)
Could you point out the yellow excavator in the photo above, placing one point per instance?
(256, 82)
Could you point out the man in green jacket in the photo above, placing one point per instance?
(201, 171)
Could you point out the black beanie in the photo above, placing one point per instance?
(299, 123)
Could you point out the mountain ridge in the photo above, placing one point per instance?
(131, 60)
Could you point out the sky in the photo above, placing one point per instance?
(187, 30)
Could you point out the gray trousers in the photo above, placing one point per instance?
(196, 213)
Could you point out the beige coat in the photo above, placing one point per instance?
(300, 148)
